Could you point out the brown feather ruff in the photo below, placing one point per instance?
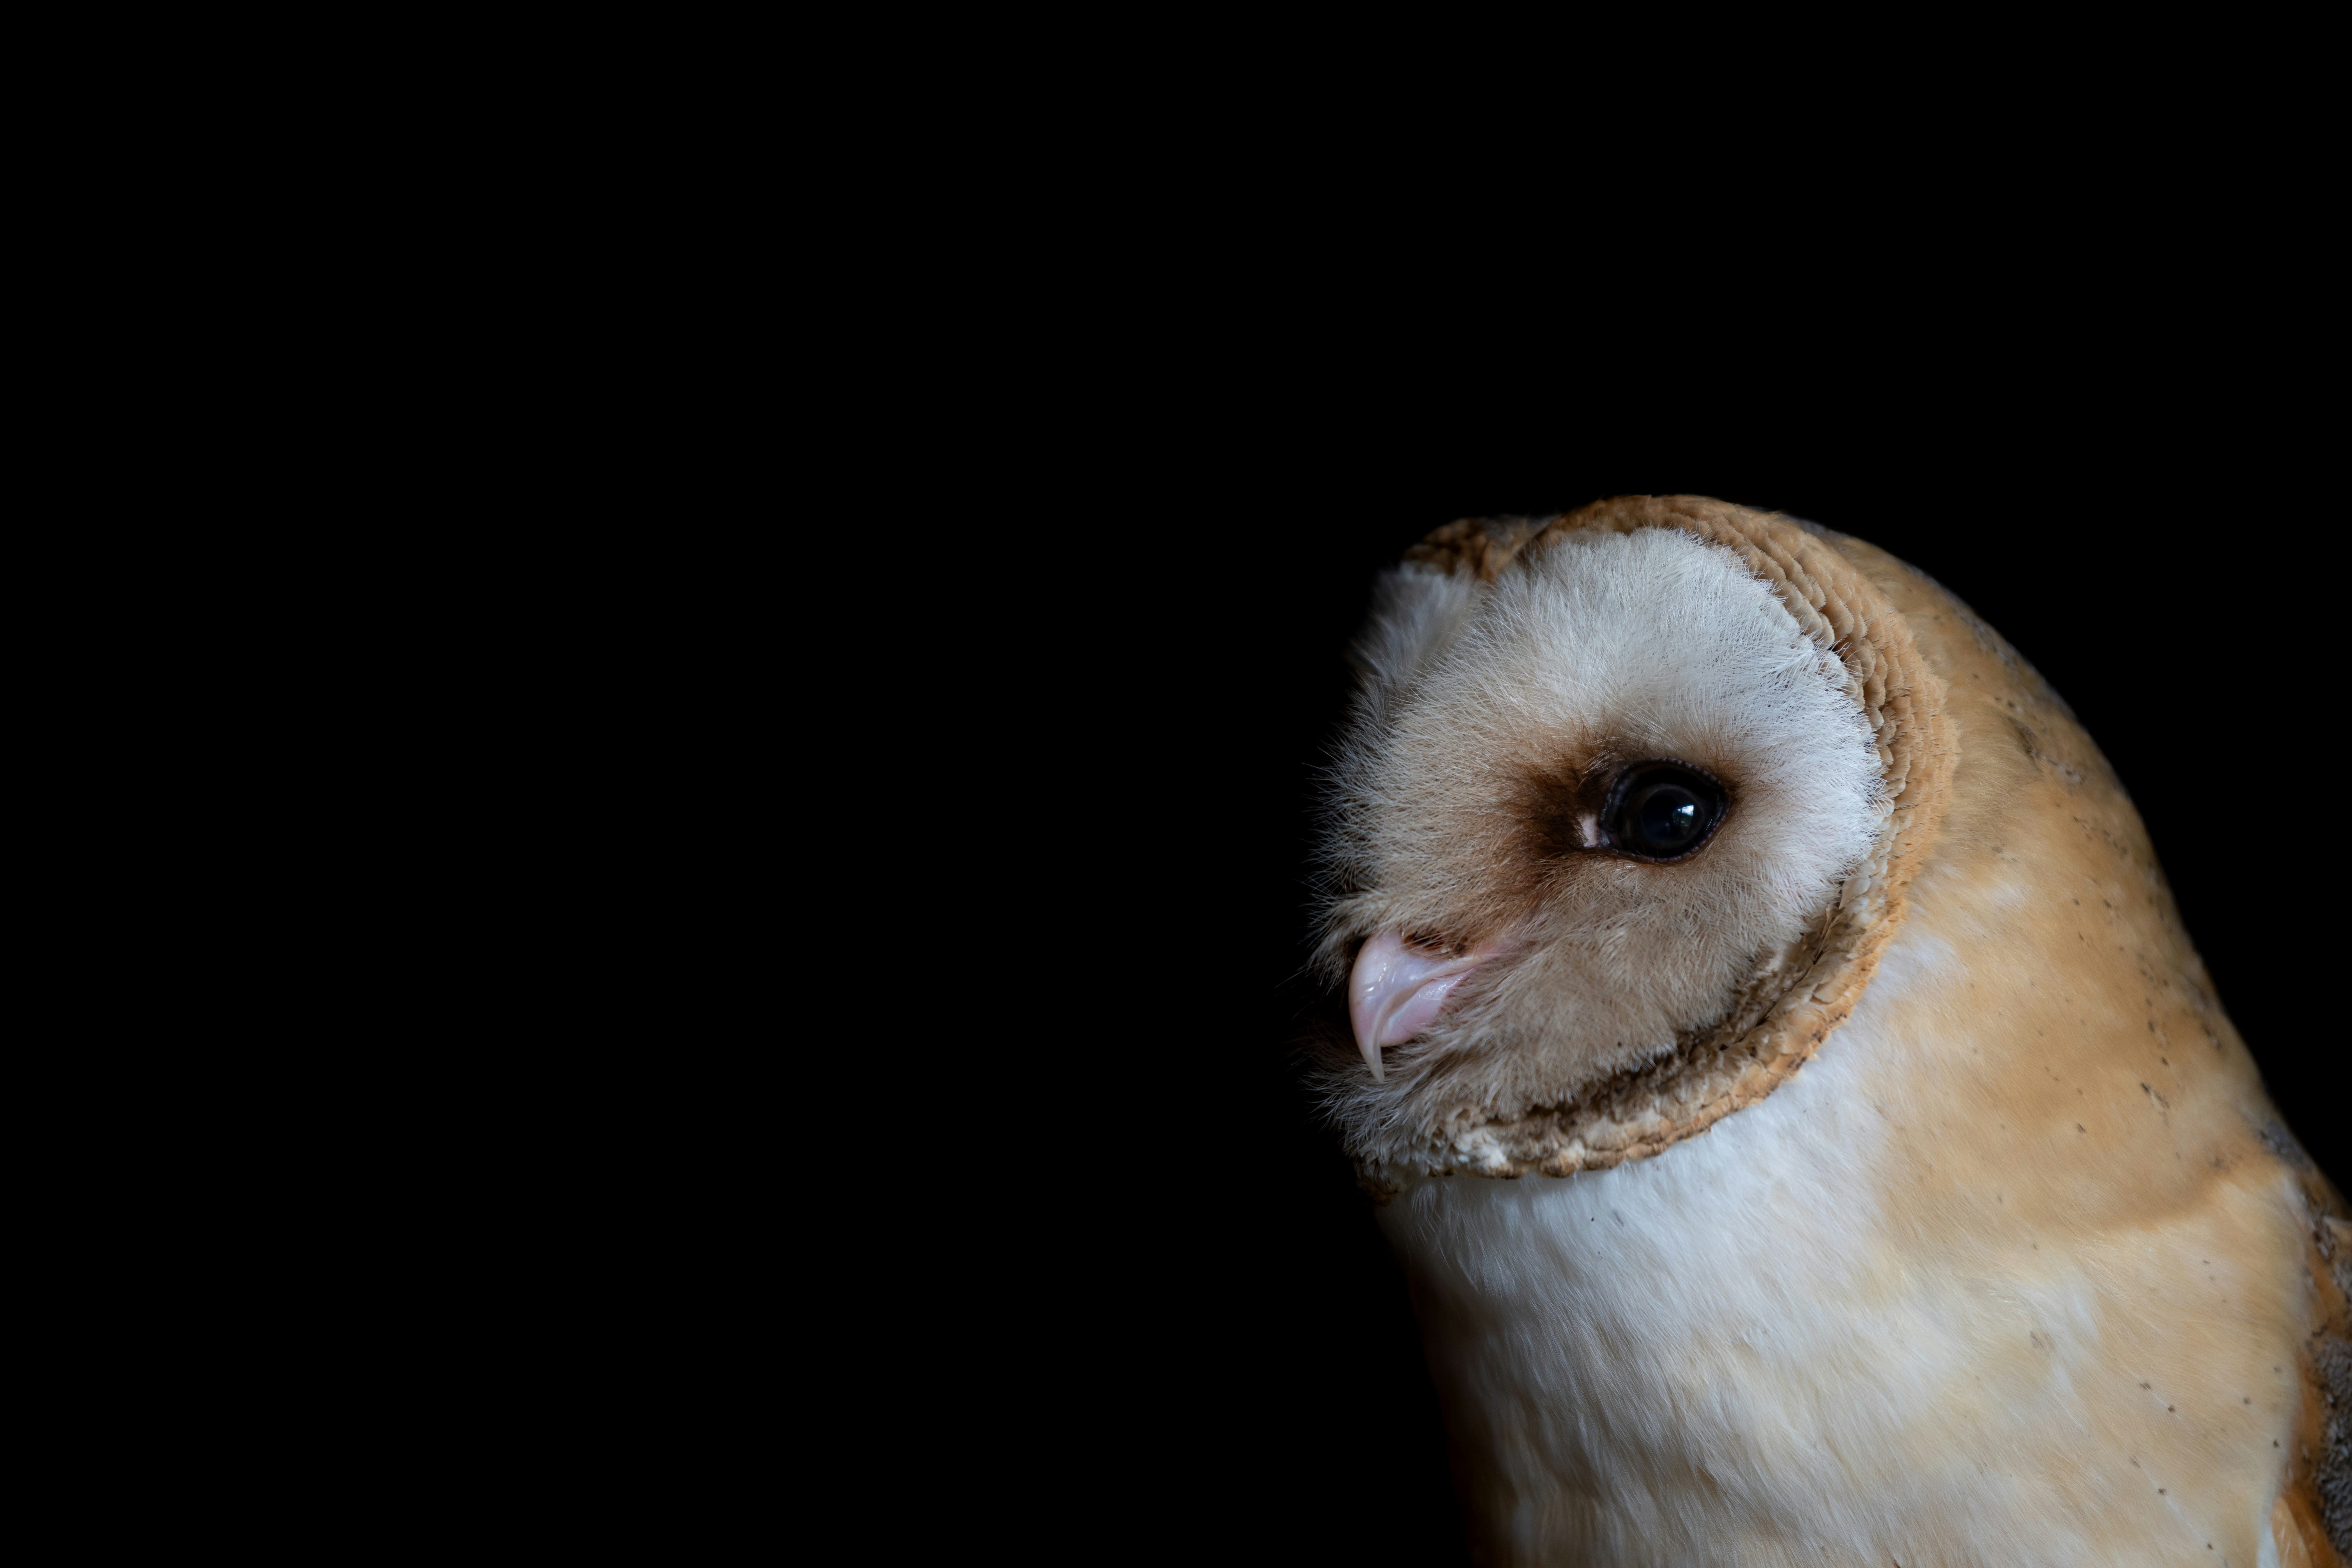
(1789, 1009)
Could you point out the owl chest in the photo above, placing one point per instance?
(1608, 1349)
(1752, 1347)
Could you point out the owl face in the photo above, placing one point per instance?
(1583, 814)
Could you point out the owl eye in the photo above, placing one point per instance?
(1663, 811)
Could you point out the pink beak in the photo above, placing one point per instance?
(1396, 992)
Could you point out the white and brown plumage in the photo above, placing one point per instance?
(1642, 810)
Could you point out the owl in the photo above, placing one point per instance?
(1808, 1134)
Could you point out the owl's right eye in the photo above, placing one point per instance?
(1663, 811)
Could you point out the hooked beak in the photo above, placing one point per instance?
(1395, 992)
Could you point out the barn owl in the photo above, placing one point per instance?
(1807, 1131)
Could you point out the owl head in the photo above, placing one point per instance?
(1614, 831)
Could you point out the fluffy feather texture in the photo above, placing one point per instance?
(2022, 1268)
(1741, 1352)
(1485, 710)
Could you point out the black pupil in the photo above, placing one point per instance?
(1666, 813)
(1669, 816)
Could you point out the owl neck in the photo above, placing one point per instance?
(1785, 1342)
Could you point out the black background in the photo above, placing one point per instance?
(1243, 1362)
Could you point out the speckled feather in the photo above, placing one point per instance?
(1966, 1234)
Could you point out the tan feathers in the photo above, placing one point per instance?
(2019, 1267)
